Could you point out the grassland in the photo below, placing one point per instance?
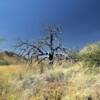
(60, 81)
(63, 82)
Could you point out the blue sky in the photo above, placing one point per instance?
(25, 19)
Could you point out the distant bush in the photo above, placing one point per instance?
(11, 54)
(3, 62)
(73, 56)
(91, 54)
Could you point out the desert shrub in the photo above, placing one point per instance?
(3, 62)
(11, 54)
(55, 76)
(91, 54)
(73, 56)
(30, 82)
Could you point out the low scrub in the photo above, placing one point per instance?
(2, 62)
(91, 55)
(55, 75)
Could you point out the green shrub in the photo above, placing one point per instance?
(91, 54)
(2, 62)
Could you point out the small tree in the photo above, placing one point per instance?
(46, 48)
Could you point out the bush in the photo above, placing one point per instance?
(55, 75)
(91, 54)
(2, 62)
(10, 54)
(73, 56)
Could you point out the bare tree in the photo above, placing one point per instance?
(47, 48)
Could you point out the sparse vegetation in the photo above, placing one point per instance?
(65, 81)
(60, 83)
(2, 62)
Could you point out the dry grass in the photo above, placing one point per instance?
(12, 69)
(63, 82)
